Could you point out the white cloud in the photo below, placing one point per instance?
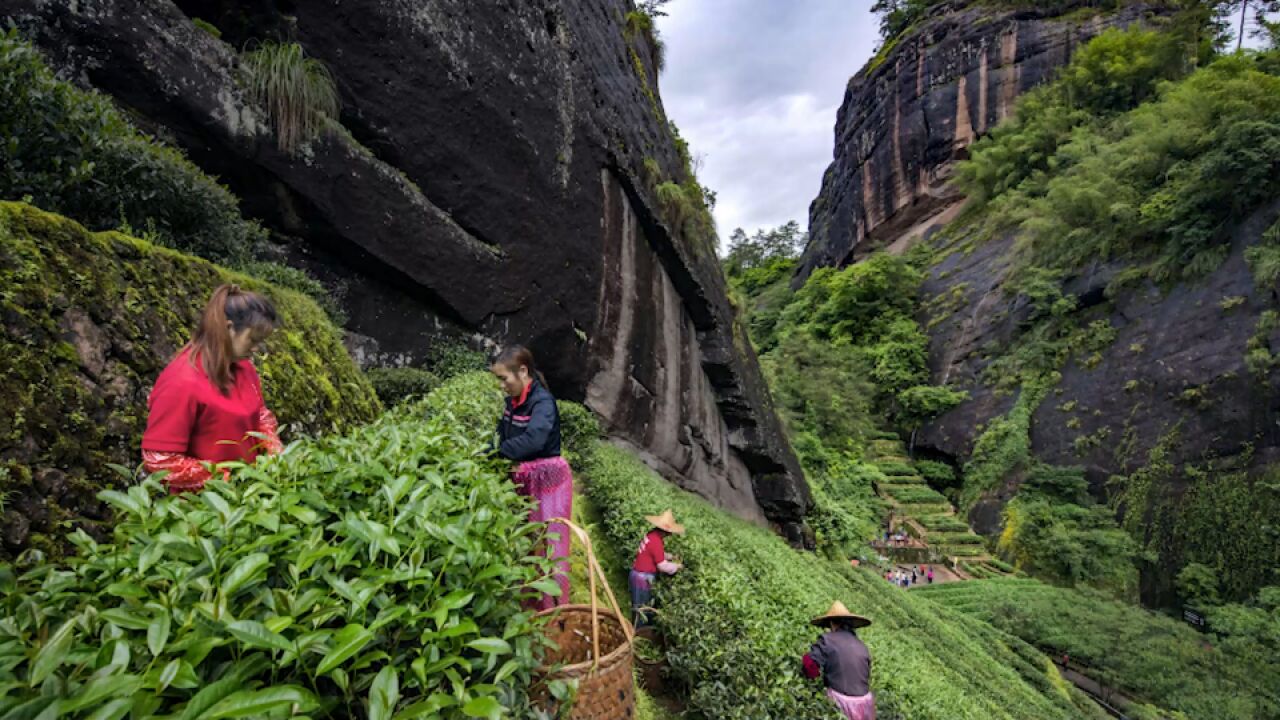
(754, 86)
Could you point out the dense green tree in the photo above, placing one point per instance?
(1198, 585)
(823, 388)
(769, 255)
(898, 15)
(1054, 529)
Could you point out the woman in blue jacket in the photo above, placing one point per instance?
(529, 435)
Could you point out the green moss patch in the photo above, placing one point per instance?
(89, 321)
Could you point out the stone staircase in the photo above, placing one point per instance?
(929, 517)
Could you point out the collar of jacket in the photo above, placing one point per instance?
(524, 395)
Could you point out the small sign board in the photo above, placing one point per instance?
(1193, 617)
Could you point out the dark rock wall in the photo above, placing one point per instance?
(483, 181)
(905, 122)
(1177, 361)
(1174, 377)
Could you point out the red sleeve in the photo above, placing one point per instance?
(185, 473)
(811, 669)
(268, 426)
(172, 413)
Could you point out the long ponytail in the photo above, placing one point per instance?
(211, 344)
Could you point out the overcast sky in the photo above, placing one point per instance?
(754, 86)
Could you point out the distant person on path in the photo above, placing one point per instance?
(529, 435)
(930, 576)
(843, 662)
(651, 559)
(206, 406)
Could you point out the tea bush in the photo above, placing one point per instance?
(939, 474)
(328, 298)
(579, 430)
(891, 467)
(1148, 656)
(846, 512)
(74, 153)
(736, 619)
(470, 402)
(449, 359)
(397, 385)
(943, 523)
(916, 494)
(367, 575)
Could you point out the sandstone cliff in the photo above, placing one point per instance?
(1168, 402)
(485, 179)
(912, 112)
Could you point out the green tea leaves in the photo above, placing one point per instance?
(349, 641)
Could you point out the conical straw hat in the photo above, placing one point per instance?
(839, 611)
(666, 521)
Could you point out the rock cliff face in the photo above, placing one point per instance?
(906, 120)
(1172, 387)
(484, 179)
(1176, 364)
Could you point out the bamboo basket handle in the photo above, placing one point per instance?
(594, 570)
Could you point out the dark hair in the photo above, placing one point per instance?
(844, 624)
(515, 356)
(211, 343)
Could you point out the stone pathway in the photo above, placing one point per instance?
(937, 536)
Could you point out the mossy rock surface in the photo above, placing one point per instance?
(90, 320)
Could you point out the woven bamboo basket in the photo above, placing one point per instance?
(593, 647)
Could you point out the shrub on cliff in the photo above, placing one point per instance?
(74, 153)
(374, 574)
(397, 385)
(849, 336)
(89, 321)
(1161, 183)
(297, 92)
(1113, 73)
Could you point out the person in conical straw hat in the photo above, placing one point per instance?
(651, 559)
(843, 662)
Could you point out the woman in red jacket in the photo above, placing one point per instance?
(208, 400)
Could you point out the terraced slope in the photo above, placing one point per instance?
(737, 620)
(929, 516)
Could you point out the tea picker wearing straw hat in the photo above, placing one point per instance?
(843, 662)
(651, 559)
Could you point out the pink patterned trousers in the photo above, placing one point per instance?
(855, 708)
(550, 483)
